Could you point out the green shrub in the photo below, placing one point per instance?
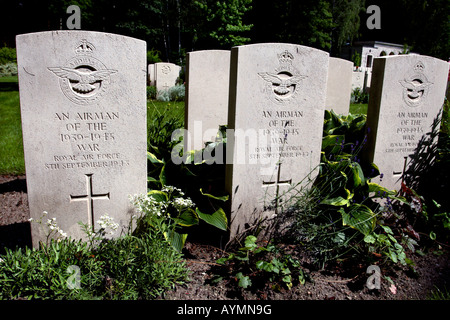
(7, 55)
(153, 56)
(128, 267)
(140, 267)
(151, 92)
(8, 69)
(43, 273)
(175, 93)
(332, 215)
(254, 265)
(359, 96)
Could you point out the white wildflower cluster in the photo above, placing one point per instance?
(52, 225)
(178, 201)
(171, 189)
(148, 205)
(106, 222)
(181, 203)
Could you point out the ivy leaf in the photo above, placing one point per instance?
(244, 281)
(250, 242)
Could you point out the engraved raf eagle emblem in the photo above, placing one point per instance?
(282, 85)
(415, 86)
(281, 82)
(82, 81)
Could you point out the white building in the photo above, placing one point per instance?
(368, 50)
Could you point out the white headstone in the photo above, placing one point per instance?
(339, 86)
(407, 92)
(358, 79)
(277, 100)
(166, 75)
(207, 82)
(151, 75)
(83, 108)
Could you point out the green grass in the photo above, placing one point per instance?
(358, 108)
(174, 110)
(11, 146)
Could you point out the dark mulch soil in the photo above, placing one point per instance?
(333, 283)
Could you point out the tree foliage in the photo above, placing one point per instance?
(346, 22)
(174, 27)
(223, 23)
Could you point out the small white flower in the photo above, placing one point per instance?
(30, 220)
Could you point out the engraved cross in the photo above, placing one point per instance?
(399, 173)
(90, 197)
(277, 184)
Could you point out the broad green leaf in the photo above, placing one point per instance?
(153, 158)
(359, 217)
(188, 218)
(162, 176)
(158, 195)
(358, 175)
(339, 201)
(332, 140)
(223, 198)
(391, 254)
(218, 219)
(176, 239)
(374, 187)
(387, 229)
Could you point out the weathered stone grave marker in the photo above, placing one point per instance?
(275, 121)
(83, 108)
(151, 75)
(207, 82)
(166, 75)
(339, 86)
(406, 94)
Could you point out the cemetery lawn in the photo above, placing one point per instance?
(358, 108)
(11, 146)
